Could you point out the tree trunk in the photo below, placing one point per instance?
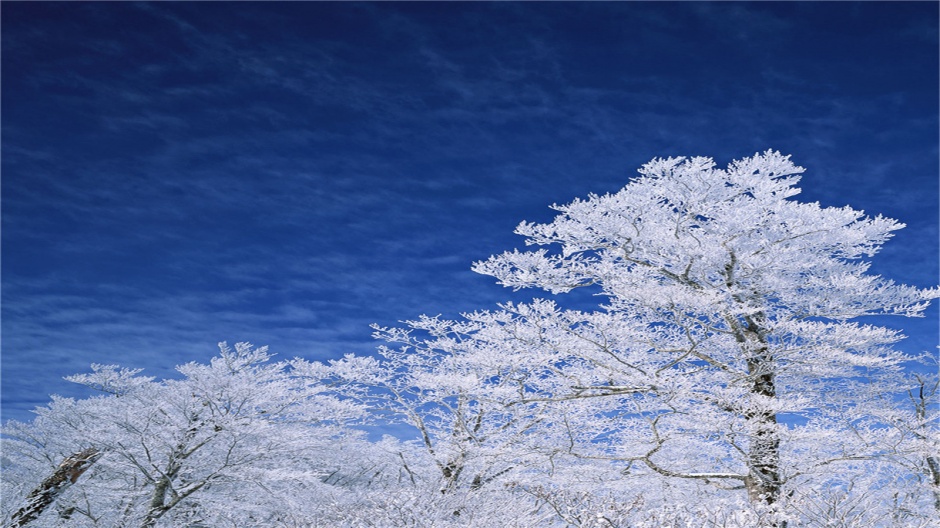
(921, 402)
(64, 476)
(157, 503)
(934, 467)
(763, 457)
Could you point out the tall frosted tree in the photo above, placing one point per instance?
(730, 308)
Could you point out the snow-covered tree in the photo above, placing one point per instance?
(728, 350)
(461, 404)
(242, 441)
(726, 378)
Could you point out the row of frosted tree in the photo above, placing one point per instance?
(725, 378)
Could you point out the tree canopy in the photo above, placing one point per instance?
(726, 377)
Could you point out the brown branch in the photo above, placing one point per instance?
(64, 476)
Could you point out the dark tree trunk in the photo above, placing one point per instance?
(157, 503)
(764, 451)
(64, 476)
(921, 402)
(763, 458)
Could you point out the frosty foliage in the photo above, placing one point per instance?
(726, 378)
(240, 431)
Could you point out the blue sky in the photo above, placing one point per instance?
(178, 174)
